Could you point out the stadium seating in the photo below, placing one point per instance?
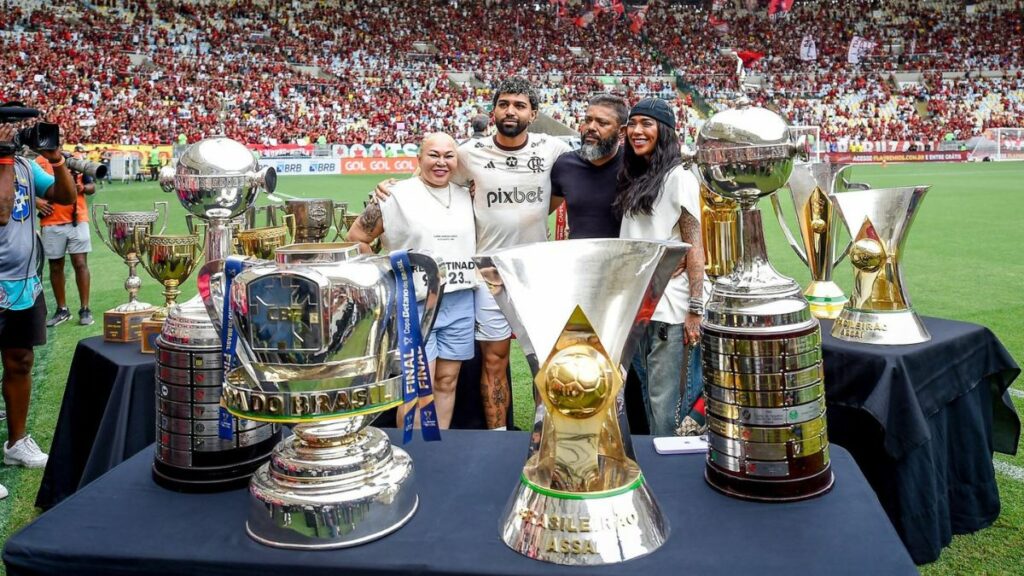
(272, 71)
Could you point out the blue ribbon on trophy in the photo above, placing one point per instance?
(233, 266)
(416, 387)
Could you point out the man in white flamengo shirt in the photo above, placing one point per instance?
(511, 173)
(428, 212)
(512, 199)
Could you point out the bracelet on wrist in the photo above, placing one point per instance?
(57, 164)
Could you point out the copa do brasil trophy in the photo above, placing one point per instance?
(575, 307)
(216, 180)
(317, 338)
(761, 347)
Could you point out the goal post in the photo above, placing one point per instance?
(815, 147)
(998, 144)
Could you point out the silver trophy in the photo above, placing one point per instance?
(812, 188)
(761, 347)
(879, 310)
(216, 180)
(575, 307)
(317, 348)
(313, 218)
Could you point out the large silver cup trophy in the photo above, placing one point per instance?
(879, 310)
(576, 309)
(123, 323)
(216, 180)
(761, 347)
(316, 348)
(812, 188)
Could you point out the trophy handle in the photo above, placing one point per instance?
(156, 207)
(339, 218)
(198, 257)
(435, 275)
(101, 222)
(211, 290)
(141, 237)
(777, 208)
(289, 223)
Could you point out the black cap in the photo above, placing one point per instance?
(655, 108)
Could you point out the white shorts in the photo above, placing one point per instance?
(491, 325)
(61, 239)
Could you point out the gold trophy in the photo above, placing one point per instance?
(719, 230)
(879, 310)
(812, 188)
(262, 242)
(340, 221)
(170, 259)
(122, 324)
(575, 307)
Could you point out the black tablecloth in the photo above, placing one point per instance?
(106, 416)
(125, 524)
(922, 422)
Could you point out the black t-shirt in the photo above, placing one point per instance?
(589, 191)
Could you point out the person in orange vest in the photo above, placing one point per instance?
(65, 230)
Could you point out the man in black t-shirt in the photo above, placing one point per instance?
(586, 179)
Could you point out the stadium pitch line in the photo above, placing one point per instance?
(1016, 393)
(1007, 469)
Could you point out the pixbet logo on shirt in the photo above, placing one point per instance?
(515, 196)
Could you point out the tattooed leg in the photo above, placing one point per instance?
(494, 386)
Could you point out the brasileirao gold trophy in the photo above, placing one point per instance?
(879, 309)
(575, 307)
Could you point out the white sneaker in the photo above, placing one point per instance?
(25, 452)
(3, 492)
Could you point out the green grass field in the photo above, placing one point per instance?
(962, 261)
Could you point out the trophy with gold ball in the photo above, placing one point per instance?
(575, 307)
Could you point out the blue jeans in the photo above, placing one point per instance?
(664, 376)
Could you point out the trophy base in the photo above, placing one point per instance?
(826, 299)
(332, 496)
(583, 529)
(789, 490)
(893, 328)
(148, 332)
(119, 326)
(780, 310)
(210, 471)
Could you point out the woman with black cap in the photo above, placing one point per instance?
(658, 199)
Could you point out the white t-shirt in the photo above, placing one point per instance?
(513, 189)
(438, 220)
(680, 191)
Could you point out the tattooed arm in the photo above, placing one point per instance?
(689, 229)
(367, 228)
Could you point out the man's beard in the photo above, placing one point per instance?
(606, 147)
(507, 132)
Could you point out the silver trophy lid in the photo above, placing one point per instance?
(188, 326)
(217, 178)
(745, 152)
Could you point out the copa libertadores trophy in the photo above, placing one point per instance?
(317, 344)
(575, 307)
(763, 378)
(879, 310)
(812, 188)
(216, 180)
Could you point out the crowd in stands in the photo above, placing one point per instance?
(362, 71)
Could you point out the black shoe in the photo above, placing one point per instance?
(85, 317)
(61, 316)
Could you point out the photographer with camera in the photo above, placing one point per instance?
(22, 306)
(65, 230)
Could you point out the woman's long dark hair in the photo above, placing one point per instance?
(639, 180)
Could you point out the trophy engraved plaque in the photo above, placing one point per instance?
(761, 347)
(812, 188)
(879, 310)
(123, 323)
(577, 308)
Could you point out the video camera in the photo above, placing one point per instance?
(39, 136)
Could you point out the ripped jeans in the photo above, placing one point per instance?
(664, 376)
